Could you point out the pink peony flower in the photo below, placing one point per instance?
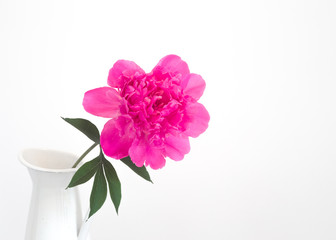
(152, 115)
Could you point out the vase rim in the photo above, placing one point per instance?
(41, 159)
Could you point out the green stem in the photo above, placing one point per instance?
(84, 154)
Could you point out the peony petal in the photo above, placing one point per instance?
(195, 119)
(102, 102)
(117, 137)
(155, 159)
(141, 152)
(193, 85)
(176, 147)
(123, 69)
(137, 153)
(172, 64)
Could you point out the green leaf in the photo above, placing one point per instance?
(99, 191)
(141, 171)
(113, 182)
(85, 172)
(86, 127)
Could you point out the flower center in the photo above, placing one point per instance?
(154, 105)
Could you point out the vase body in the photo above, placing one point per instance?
(55, 212)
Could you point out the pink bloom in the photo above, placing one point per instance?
(152, 115)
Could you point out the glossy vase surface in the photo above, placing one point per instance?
(55, 212)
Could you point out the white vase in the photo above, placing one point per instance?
(55, 212)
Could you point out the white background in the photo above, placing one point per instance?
(264, 169)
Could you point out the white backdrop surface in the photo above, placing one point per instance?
(264, 169)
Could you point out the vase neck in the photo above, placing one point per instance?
(50, 179)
